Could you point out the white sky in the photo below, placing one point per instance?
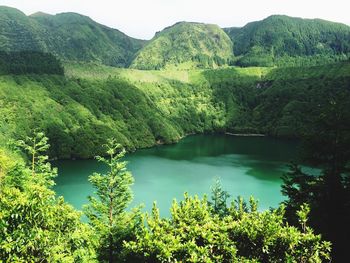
(142, 18)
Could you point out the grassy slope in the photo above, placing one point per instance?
(185, 45)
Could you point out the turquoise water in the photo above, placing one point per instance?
(246, 166)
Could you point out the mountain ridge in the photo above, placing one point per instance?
(279, 36)
(277, 40)
(70, 36)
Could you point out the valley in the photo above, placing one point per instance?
(160, 116)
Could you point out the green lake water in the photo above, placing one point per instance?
(246, 166)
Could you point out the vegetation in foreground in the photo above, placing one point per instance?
(328, 194)
(36, 226)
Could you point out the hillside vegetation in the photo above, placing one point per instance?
(79, 114)
(186, 45)
(24, 62)
(91, 103)
(69, 36)
(283, 40)
(276, 40)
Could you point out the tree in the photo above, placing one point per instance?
(219, 199)
(35, 226)
(36, 147)
(106, 211)
(194, 234)
(327, 145)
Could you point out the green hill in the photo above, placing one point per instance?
(283, 40)
(92, 103)
(186, 45)
(19, 32)
(277, 40)
(70, 36)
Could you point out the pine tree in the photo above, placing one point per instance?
(327, 145)
(35, 226)
(36, 148)
(106, 211)
(219, 199)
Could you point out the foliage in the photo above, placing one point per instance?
(207, 47)
(142, 108)
(69, 36)
(25, 62)
(106, 211)
(35, 226)
(288, 100)
(327, 146)
(36, 148)
(193, 234)
(288, 41)
(219, 199)
(78, 115)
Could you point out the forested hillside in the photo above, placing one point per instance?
(283, 40)
(285, 102)
(25, 62)
(141, 108)
(186, 45)
(69, 36)
(276, 40)
(79, 114)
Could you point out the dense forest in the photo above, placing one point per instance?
(143, 108)
(65, 98)
(29, 62)
(287, 41)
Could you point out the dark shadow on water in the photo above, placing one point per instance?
(192, 147)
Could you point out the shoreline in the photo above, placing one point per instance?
(246, 134)
(161, 143)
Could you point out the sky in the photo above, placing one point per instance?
(143, 18)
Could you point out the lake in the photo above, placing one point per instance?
(245, 165)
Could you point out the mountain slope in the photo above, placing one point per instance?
(277, 40)
(69, 36)
(264, 42)
(18, 32)
(186, 45)
(75, 37)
